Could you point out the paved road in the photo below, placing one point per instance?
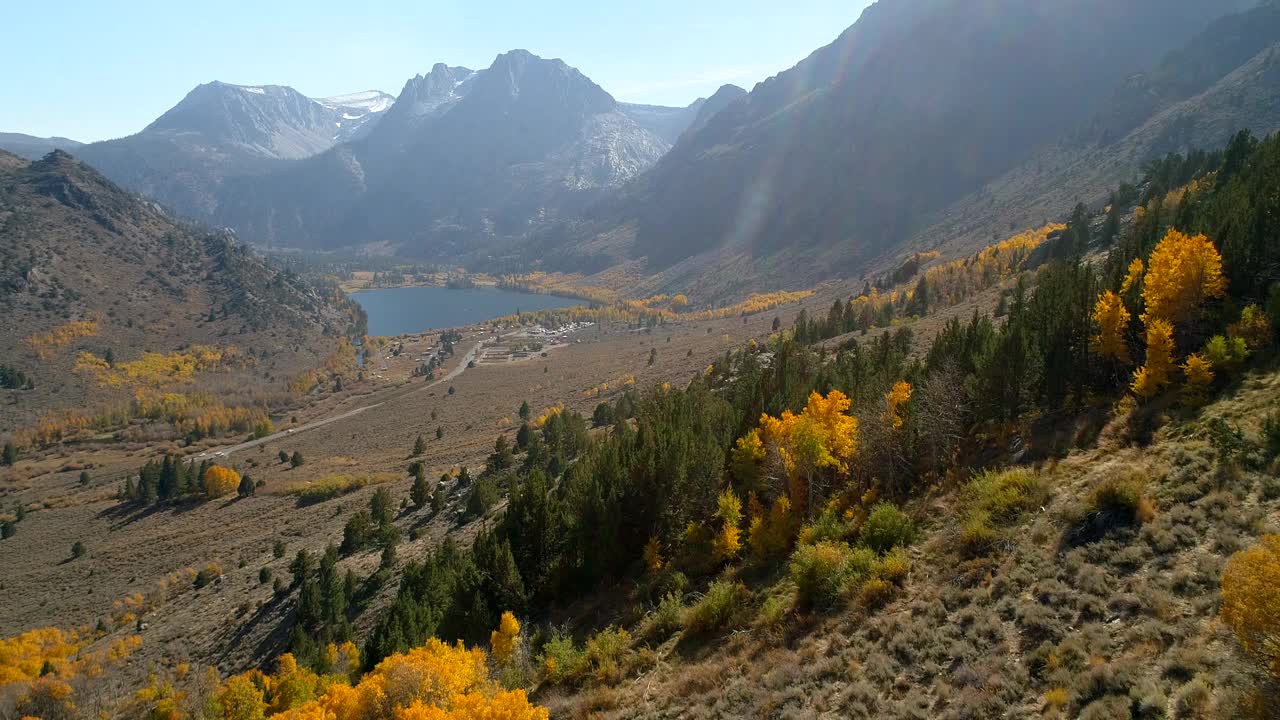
(397, 392)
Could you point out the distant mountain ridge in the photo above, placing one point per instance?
(463, 160)
(221, 130)
(34, 148)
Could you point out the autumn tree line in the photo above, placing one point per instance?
(789, 432)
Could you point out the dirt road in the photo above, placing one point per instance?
(385, 396)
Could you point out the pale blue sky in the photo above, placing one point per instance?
(96, 69)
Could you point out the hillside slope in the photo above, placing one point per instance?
(85, 265)
(1191, 105)
(844, 156)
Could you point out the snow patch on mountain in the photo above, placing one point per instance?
(368, 101)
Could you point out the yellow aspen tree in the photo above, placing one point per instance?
(1250, 603)
(895, 399)
(241, 699)
(747, 456)
(1150, 378)
(1112, 319)
(728, 542)
(1199, 374)
(1183, 273)
(1133, 276)
(653, 559)
(505, 639)
(822, 438)
(220, 481)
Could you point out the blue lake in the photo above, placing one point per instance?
(399, 311)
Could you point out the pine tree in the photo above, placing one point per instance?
(10, 454)
(296, 459)
(420, 493)
(439, 499)
(419, 446)
(524, 410)
(284, 457)
(439, 433)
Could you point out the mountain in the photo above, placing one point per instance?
(464, 160)
(76, 247)
(359, 112)
(220, 130)
(915, 106)
(32, 147)
(1225, 79)
(707, 109)
(665, 122)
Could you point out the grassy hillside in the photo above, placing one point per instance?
(107, 299)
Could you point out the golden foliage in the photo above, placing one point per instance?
(653, 556)
(822, 437)
(894, 400)
(1150, 378)
(434, 681)
(728, 542)
(332, 486)
(23, 656)
(1133, 276)
(504, 640)
(157, 370)
(47, 344)
(952, 282)
(220, 481)
(547, 414)
(1112, 319)
(746, 458)
(1199, 374)
(770, 535)
(1250, 602)
(1184, 271)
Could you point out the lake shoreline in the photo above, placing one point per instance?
(416, 309)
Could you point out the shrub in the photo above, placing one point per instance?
(666, 617)
(1250, 603)
(772, 611)
(718, 608)
(894, 566)
(886, 527)
(208, 574)
(820, 572)
(561, 661)
(1119, 494)
(875, 593)
(1118, 501)
(996, 498)
(77, 549)
(264, 576)
(334, 486)
(604, 652)
(1271, 434)
(277, 549)
(827, 527)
